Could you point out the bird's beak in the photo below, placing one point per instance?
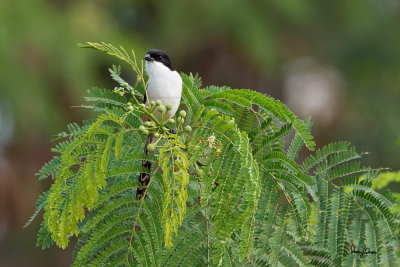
(147, 58)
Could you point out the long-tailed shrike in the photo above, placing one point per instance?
(165, 84)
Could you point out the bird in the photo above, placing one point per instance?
(165, 84)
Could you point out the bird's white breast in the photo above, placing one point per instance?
(164, 85)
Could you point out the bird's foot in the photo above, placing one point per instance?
(172, 131)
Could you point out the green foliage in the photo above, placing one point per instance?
(383, 180)
(228, 192)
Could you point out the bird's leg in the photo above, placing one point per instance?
(172, 131)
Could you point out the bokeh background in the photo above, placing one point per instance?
(337, 61)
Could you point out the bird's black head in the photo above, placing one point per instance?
(159, 56)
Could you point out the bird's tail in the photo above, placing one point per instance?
(144, 177)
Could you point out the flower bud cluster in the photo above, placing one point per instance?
(122, 90)
(129, 106)
(149, 127)
(182, 115)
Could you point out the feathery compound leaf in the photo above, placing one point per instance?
(277, 240)
(190, 96)
(118, 144)
(297, 142)
(225, 192)
(272, 106)
(319, 256)
(44, 239)
(176, 179)
(103, 98)
(294, 253)
(40, 203)
(322, 154)
(111, 50)
(49, 169)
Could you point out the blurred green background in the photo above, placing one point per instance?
(337, 61)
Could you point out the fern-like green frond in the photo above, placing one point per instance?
(225, 190)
